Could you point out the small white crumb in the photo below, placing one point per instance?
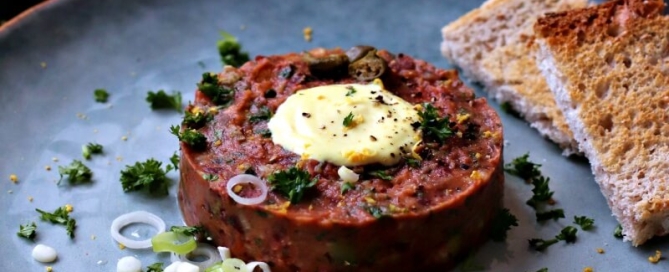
(93, 237)
(129, 264)
(30, 198)
(54, 159)
(101, 262)
(95, 130)
(43, 64)
(47, 167)
(124, 138)
(10, 191)
(119, 158)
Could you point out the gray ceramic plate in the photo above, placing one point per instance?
(53, 58)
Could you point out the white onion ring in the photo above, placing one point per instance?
(202, 249)
(131, 218)
(243, 179)
(224, 253)
(252, 265)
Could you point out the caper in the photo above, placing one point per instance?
(357, 52)
(368, 67)
(331, 65)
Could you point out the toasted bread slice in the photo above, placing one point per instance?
(608, 67)
(493, 45)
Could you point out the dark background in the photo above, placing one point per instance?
(10, 8)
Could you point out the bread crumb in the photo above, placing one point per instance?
(10, 192)
(13, 178)
(95, 130)
(119, 158)
(48, 269)
(588, 269)
(54, 159)
(81, 116)
(69, 208)
(655, 258)
(30, 198)
(307, 31)
(43, 64)
(93, 237)
(47, 167)
(124, 138)
(121, 246)
(600, 250)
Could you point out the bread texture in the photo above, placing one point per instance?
(493, 46)
(608, 67)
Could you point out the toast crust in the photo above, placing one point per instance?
(493, 45)
(608, 67)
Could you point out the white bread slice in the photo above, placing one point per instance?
(493, 45)
(608, 67)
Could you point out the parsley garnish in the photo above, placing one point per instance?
(265, 133)
(61, 217)
(348, 120)
(146, 176)
(552, 214)
(523, 168)
(412, 162)
(381, 174)
(347, 186)
(27, 231)
(618, 232)
(231, 50)
(76, 173)
(432, 125)
(502, 224)
(191, 137)
(351, 91)
(542, 192)
(196, 120)
(375, 211)
(161, 100)
(101, 95)
(262, 114)
(175, 161)
(291, 183)
(91, 148)
(211, 87)
(585, 222)
(567, 234)
(210, 177)
(156, 267)
(187, 231)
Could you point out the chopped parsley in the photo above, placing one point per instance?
(190, 137)
(156, 267)
(523, 168)
(211, 87)
(174, 160)
(147, 176)
(374, 211)
(381, 174)
(567, 234)
(210, 177)
(552, 214)
(261, 115)
(61, 217)
(291, 183)
(502, 224)
(432, 125)
(618, 232)
(27, 231)
(187, 231)
(348, 120)
(76, 172)
(162, 100)
(231, 50)
(585, 222)
(91, 148)
(351, 91)
(101, 95)
(265, 133)
(196, 120)
(542, 192)
(346, 186)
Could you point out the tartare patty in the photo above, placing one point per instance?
(423, 212)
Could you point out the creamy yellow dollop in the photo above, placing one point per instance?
(346, 124)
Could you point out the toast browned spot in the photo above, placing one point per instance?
(493, 45)
(608, 67)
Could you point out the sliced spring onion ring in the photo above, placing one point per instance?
(252, 265)
(173, 242)
(247, 179)
(202, 250)
(224, 253)
(131, 218)
(229, 265)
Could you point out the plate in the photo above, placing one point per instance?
(54, 56)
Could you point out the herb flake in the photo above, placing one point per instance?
(191, 137)
(91, 148)
(502, 223)
(61, 217)
(523, 167)
(77, 173)
(162, 100)
(381, 174)
(27, 231)
(156, 267)
(212, 88)
(231, 50)
(147, 176)
(101, 95)
(432, 125)
(291, 183)
(347, 186)
(348, 120)
(585, 222)
(262, 114)
(187, 231)
(552, 214)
